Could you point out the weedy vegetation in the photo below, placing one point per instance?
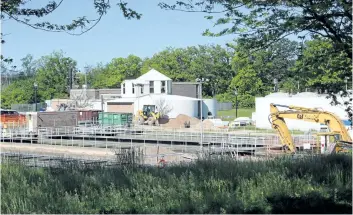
(320, 184)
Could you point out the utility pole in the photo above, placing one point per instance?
(200, 81)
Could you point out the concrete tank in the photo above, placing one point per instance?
(209, 105)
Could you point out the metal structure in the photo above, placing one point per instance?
(236, 103)
(175, 145)
(201, 80)
(35, 94)
(277, 121)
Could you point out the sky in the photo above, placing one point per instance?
(113, 37)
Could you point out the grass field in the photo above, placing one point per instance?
(282, 186)
(231, 113)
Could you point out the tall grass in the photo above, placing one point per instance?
(307, 185)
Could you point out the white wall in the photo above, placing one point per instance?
(97, 105)
(146, 88)
(128, 89)
(178, 105)
(263, 110)
(209, 105)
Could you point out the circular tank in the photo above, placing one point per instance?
(209, 105)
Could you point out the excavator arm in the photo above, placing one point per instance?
(306, 114)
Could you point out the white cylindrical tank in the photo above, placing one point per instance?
(209, 105)
(175, 104)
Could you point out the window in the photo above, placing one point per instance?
(123, 88)
(142, 89)
(151, 87)
(163, 87)
(133, 88)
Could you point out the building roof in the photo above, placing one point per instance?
(153, 75)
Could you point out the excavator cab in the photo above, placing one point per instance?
(148, 115)
(148, 110)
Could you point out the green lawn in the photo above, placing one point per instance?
(224, 114)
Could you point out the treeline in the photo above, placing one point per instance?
(315, 64)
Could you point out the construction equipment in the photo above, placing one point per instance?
(336, 126)
(148, 115)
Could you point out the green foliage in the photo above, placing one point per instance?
(254, 75)
(18, 92)
(283, 185)
(51, 73)
(53, 76)
(187, 64)
(322, 68)
(115, 72)
(261, 23)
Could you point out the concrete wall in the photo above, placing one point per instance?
(55, 119)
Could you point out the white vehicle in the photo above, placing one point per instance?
(241, 121)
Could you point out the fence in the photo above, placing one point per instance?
(225, 106)
(27, 107)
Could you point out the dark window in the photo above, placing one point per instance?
(123, 88)
(133, 88)
(151, 87)
(163, 87)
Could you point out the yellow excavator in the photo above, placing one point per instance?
(148, 115)
(336, 126)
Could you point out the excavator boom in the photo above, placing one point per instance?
(306, 114)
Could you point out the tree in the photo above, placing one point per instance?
(54, 75)
(263, 22)
(187, 64)
(29, 65)
(174, 63)
(163, 107)
(255, 74)
(18, 92)
(324, 69)
(115, 72)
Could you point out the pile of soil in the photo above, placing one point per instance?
(179, 121)
(206, 124)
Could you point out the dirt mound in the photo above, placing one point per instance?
(179, 121)
(206, 124)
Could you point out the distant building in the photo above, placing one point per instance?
(154, 88)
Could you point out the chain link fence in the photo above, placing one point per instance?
(225, 106)
(28, 107)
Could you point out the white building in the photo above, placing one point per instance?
(152, 82)
(309, 100)
(154, 88)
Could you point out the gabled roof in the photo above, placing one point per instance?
(153, 75)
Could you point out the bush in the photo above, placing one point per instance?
(283, 185)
